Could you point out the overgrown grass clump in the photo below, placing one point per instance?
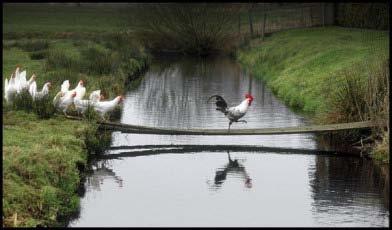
(40, 175)
(362, 93)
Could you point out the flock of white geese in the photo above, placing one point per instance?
(63, 99)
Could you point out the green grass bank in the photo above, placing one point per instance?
(40, 176)
(331, 74)
(42, 157)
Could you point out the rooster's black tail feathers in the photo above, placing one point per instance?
(221, 104)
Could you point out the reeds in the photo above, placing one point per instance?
(362, 93)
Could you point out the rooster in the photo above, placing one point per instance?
(96, 96)
(27, 84)
(63, 100)
(65, 86)
(82, 105)
(233, 113)
(38, 95)
(102, 107)
(79, 89)
(10, 89)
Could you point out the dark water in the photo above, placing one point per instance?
(224, 188)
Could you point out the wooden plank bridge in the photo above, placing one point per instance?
(127, 128)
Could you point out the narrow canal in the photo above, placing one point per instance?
(227, 188)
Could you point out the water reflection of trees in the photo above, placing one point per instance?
(101, 170)
(344, 181)
(233, 167)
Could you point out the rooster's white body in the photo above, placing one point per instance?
(95, 96)
(82, 105)
(20, 81)
(65, 86)
(233, 113)
(62, 101)
(10, 89)
(38, 94)
(103, 107)
(79, 89)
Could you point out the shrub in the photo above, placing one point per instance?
(44, 107)
(28, 45)
(98, 60)
(363, 15)
(362, 93)
(186, 28)
(38, 55)
(35, 45)
(58, 58)
(96, 140)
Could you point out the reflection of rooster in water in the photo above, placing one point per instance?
(232, 167)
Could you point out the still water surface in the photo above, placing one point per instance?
(226, 188)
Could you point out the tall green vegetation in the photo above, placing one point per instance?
(333, 74)
(363, 94)
(187, 28)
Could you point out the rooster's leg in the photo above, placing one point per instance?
(243, 121)
(230, 125)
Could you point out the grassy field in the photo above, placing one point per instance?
(41, 156)
(45, 18)
(332, 74)
(302, 66)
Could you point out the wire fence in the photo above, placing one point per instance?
(259, 19)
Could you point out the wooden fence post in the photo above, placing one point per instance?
(263, 28)
(323, 12)
(250, 21)
(310, 16)
(239, 24)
